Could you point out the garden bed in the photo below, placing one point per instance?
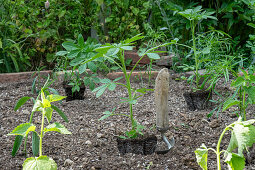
(93, 143)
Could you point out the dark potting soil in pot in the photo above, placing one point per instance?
(144, 146)
(197, 100)
(77, 95)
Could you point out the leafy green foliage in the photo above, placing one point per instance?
(39, 163)
(242, 137)
(46, 108)
(201, 155)
(21, 101)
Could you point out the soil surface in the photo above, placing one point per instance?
(93, 144)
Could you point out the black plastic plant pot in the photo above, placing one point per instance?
(77, 95)
(141, 145)
(198, 100)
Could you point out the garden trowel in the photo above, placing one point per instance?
(161, 101)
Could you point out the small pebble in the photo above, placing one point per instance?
(68, 162)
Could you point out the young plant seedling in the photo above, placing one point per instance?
(114, 53)
(46, 108)
(242, 136)
(245, 88)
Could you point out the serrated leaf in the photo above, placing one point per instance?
(39, 163)
(57, 127)
(201, 156)
(105, 81)
(35, 144)
(21, 101)
(62, 114)
(235, 161)
(23, 129)
(55, 97)
(228, 103)
(48, 113)
(82, 68)
(16, 145)
(154, 56)
(61, 53)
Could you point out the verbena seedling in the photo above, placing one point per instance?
(242, 136)
(46, 108)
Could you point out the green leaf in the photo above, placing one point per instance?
(23, 129)
(69, 46)
(201, 156)
(46, 103)
(228, 103)
(242, 136)
(57, 127)
(105, 81)
(73, 54)
(16, 145)
(92, 67)
(129, 48)
(113, 51)
(251, 93)
(154, 56)
(35, 144)
(61, 53)
(101, 91)
(39, 163)
(238, 82)
(80, 40)
(82, 68)
(21, 101)
(48, 113)
(235, 161)
(62, 114)
(112, 87)
(106, 115)
(55, 97)
(135, 38)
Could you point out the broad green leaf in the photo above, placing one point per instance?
(16, 145)
(201, 156)
(228, 103)
(242, 136)
(35, 144)
(154, 56)
(23, 129)
(80, 40)
(251, 24)
(77, 61)
(46, 103)
(57, 127)
(48, 113)
(92, 67)
(117, 79)
(129, 48)
(143, 90)
(39, 163)
(82, 68)
(55, 97)
(21, 101)
(62, 114)
(69, 46)
(130, 101)
(238, 82)
(113, 51)
(235, 161)
(251, 93)
(73, 54)
(61, 53)
(105, 81)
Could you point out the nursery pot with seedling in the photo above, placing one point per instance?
(73, 95)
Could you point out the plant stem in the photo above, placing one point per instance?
(128, 85)
(193, 26)
(243, 105)
(218, 146)
(41, 135)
